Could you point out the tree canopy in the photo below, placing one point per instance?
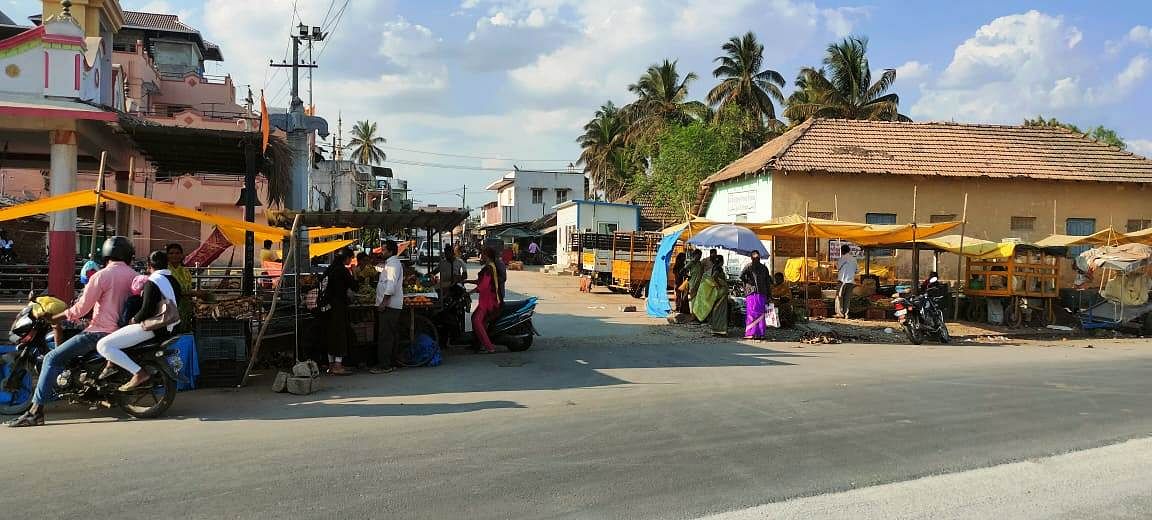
(1104, 135)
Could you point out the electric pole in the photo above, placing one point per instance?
(298, 139)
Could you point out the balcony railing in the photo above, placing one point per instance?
(207, 111)
(211, 79)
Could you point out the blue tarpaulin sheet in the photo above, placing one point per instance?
(191, 369)
(658, 305)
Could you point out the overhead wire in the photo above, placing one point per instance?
(463, 156)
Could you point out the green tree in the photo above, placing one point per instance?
(843, 88)
(365, 144)
(1104, 135)
(743, 84)
(609, 163)
(661, 100)
(688, 154)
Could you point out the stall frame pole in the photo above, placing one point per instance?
(96, 208)
(248, 281)
(961, 276)
(289, 259)
(804, 265)
(915, 246)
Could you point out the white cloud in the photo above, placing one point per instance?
(1140, 146)
(1140, 35)
(1021, 65)
(617, 41)
(912, 71)
(841, 20)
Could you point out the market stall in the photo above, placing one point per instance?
(817, 278)
(421, 304)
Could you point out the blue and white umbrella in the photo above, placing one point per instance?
(731, 237)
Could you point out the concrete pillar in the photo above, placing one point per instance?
(62, 231)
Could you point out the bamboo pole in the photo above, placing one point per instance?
(804, 265)
(961, 276)
(1054, 228)
(915, 247)
(96, 207)
(289, 259)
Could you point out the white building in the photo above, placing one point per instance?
(578, 216)
(351, 186)
(525, 195)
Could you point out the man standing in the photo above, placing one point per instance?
(846, 273)
(104, 296)
(534, 252)
(389, 302)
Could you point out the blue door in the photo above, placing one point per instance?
(1080, 227)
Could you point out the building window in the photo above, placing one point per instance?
(1023, 223)
(537, 195)
(880, 218)
(561, 196)
(1079, 227)
(607, 228)
(1138, 224)
(942, 217)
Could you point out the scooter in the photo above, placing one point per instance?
(920, 316)
(512, 328)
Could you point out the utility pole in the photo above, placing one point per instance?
(298, 139)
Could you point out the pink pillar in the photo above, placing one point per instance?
(62, 233)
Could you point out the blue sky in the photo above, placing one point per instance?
(487, 81)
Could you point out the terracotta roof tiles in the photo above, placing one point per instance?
(947, 149)
(163, 22)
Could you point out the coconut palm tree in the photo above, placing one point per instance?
(743, 84)
(365, 143)
(843, 88)
(661, 100)
(604, 155)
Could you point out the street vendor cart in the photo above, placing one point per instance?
(1124, 284)
(1024, 283)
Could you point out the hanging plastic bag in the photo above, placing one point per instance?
(772, 317)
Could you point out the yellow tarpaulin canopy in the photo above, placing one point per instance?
(327, 232)
(322, 248)
(72, 200)
(1144, 236)
(1099, 238)
(171, 209)
(793, 226)
(236, 236)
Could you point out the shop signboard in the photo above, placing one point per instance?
(741, 202)
(835, 244)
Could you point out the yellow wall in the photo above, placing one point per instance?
(991, 204)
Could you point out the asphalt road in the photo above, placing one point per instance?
(606, 418)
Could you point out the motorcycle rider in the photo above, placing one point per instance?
(161, 286)
(103, 297)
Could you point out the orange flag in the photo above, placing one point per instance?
(265, 123)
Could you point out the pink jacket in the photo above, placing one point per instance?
(104, 297)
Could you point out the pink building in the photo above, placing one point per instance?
(158, 70)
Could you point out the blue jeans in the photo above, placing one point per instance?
(55, 361)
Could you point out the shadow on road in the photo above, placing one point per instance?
(360, 408)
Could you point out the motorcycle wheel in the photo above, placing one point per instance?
(18, 402)
(945, 337)
(914, 335)
(153, 400)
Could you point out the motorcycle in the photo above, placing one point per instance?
(921, 316)
(78, 382)
(512, 327)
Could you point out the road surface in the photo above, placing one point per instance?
(612, 415)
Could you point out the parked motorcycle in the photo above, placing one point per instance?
(78, 382)
(512, 328)
(922, 316)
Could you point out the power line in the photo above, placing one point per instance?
(473, 156)
(335, 25)
(450, 166)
